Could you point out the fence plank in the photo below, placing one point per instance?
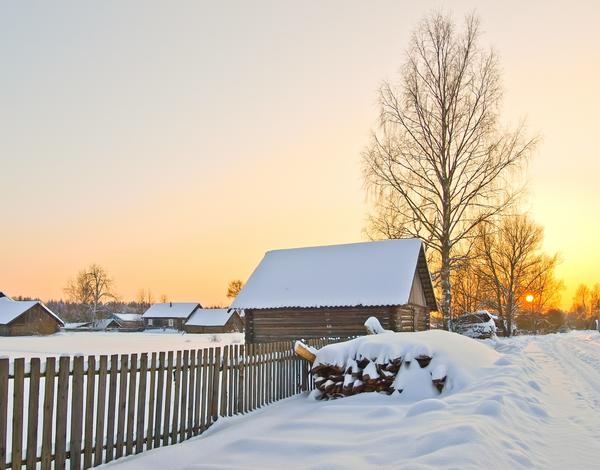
(231, 369)
(131, 404)
(76, 413)
(215, 367)
(224, 379)
(141, 404)
(176, 398)
(167, 407)
(160, 382)
(88, 448)
(112, 407)
(151, 402)
(250, 394)
(17, 417)
(122, 405)
(191, 395)
(206, 356)
(240, 382)
(4, 371)
(269, 375)
(236, 378)
(246, 374)
(62, 402)
(197, 393)
(49, 380)
(100, 411)
(33, 412)
(184, 389)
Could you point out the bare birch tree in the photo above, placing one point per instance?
(511, 265)
(91, 287)
(438, 161)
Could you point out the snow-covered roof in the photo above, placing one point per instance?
(128, 317)
(171, 310)
(373, 273)
(11, 309)
(210, 317)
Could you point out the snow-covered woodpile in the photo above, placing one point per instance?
(406, 364)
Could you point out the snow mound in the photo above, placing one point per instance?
(431, 362)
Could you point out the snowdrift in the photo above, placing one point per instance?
(414, 366)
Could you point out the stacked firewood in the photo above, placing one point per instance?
(362, 375)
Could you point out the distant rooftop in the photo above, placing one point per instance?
(171, 310)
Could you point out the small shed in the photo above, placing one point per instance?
(26, 317)
(128, 321)
(214, 320)
(331, 291)
(171, 315)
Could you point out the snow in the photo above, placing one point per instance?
(171, 310)
(11, 309)
(210, 317)
(374, 327)
(536, 406)
(97, 343)
(369, 274)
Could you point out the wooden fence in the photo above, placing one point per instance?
(84, 411)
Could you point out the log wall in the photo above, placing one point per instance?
(266, 325)
(35, 321)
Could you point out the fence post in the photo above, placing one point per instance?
(151, 402)
(141, 404)
(184, 390)
(17, 418)
(89, 412)
(99, 444)
(49, 380)
(216, 368)
(121, 405)
(62, 402)
(112, 407)
(159, 399)
(76, 413)
(4, 370)
(224, 378)
(131, 404)
(176, 399)
(33, 412)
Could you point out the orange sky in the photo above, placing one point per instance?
(175, 145)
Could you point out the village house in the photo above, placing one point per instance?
(26, 317)
(331, 291)
(214, 320)
(172, 315)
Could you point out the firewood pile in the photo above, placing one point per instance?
(362, 374)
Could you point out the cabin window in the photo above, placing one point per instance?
(171, 322)
(150, 322)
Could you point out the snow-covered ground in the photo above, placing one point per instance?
(537, 406)
(95, 343)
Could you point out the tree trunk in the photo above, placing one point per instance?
(446, 287)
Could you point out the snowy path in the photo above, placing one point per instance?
(538, 407)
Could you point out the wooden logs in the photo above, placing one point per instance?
(365, 375)
(304, 351)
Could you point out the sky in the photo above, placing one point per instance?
(174, 143)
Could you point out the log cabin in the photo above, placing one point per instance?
(26, 317)
(214, 320)
(329, 291)
(171, 315)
